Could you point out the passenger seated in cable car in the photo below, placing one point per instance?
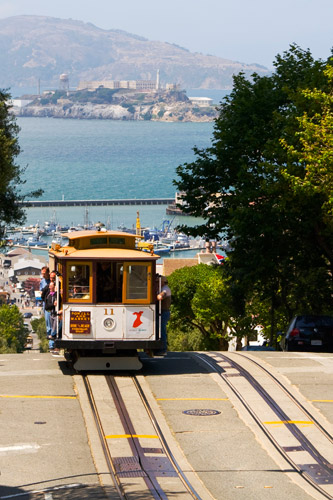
(78, 281)
(85, 294)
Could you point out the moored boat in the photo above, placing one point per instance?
(176, 240)
(35, 241)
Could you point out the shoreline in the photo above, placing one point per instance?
(161, 112)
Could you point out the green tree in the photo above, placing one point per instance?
(38, 325)
(11, 212)
(13, 333)
(203, 309)
(312, 160)
(276, 233)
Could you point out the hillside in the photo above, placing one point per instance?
(41, 48)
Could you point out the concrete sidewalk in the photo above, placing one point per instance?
(43, 440)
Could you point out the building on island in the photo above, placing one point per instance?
(64, 82)
(172, 86)
(201, 101)
(141, 85)
(19, 103)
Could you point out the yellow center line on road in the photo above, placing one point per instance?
(321, 400)
(36, 396)
(126, 436)
(192, 399)
(280, 422)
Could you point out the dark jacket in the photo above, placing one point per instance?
(49, 302)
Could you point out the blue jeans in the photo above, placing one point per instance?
(53, 334)
(165, 316)
(51, 343)
(47, 316)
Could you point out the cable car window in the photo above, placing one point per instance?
(98, 241)
(116, 241)
(79, 281)
(109, 281)
(137, 282)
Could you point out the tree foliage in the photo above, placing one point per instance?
(13, 333)
(11, 212)
(203, 301)
(314, 155)
(265, 184)
(38, 325)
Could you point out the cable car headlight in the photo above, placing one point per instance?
(108, 323)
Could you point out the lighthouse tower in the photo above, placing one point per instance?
(158, 80)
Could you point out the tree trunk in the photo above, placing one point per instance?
(239, 344)
(223, 344)
(271, 339)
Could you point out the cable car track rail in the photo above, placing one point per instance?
(298, 403)
(166, 448)
(103, 442)
(127, 457)
(318, 473)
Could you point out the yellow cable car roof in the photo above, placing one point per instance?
(102, 245)
(103, 253)
(89, 233)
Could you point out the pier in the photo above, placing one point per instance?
(92, 203)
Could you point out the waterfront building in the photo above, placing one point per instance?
(201, 101)
(20, 103)
(142, 85)
(26, 268)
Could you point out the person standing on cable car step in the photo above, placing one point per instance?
(165, 298)
(45, 278)
(47, 314)
(50, 306)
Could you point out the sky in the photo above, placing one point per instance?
(248, 31)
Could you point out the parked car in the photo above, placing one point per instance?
(309, 333)
(27, 315)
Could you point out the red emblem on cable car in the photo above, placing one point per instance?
(137, 321)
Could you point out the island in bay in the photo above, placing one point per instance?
(111, 73)
(143, 102)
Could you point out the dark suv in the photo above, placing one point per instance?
(309, 333)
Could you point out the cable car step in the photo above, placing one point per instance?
(109, 363)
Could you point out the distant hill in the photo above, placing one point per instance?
(41, 48)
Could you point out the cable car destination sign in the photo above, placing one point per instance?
(80, 322)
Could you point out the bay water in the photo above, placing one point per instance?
(105, 159)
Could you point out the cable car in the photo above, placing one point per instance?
(107, 308)
(29, 342)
